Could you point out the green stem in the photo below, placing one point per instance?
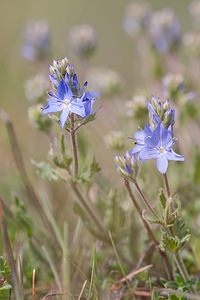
(180, 263)
(89, 209)
(150, 232)
(74, 146)
(146, 201)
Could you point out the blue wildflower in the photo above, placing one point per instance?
(165, 30)
(65, 102)
(141, 138)
(158, 146)
(36, 40)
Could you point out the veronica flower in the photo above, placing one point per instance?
(158, 146)
(141, 139)
(65, 102)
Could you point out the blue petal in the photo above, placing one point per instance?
(53, 79)
(136, 149)
(148, 152)
(52, 108)
(63, 117)
(171, 155)
(77, 109)
(88, 108)
(128, 169)
(75, 82)
(64, 91)
(162, 163)
(68, 77)
(166, 138)
(90, 95)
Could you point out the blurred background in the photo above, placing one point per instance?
(124, 64)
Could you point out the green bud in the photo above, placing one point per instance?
(127, 166)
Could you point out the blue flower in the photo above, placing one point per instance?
(65, 102)
(141, 138)
(158, 146)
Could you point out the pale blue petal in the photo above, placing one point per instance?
(162, 163)
(171, 155)
(166, 139)
(90, 95)
(53, 108)
(77, 109)
(63, 117)
(140, 136)
(64, 91)
(148, 153)
(136, 149)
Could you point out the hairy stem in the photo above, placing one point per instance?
(146, 201)
(89, 209)
(150, 232)
(74, 146)
(180, 263)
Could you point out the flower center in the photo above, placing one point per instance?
(67, 102)
(161, 150)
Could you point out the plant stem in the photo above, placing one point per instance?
(166, 183)
(18, 295)
(150, 232)
(89, 209)
(146, 201)
(74, 146)
(180, 263)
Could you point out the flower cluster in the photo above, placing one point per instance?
(165, 30)
(137, 15)
(194, 10)
(35, 88)
(67, 95)
(160, 112)
(155, 142)
(105, 80)
(191, 41)
(36, 40)
(83, 39)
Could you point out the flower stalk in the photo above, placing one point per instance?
(180, 263)
(150, 232)
(74, 146)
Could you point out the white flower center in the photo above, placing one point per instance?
(67, 102)
(161, 150)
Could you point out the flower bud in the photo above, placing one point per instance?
(160, 111)
(127, 166)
